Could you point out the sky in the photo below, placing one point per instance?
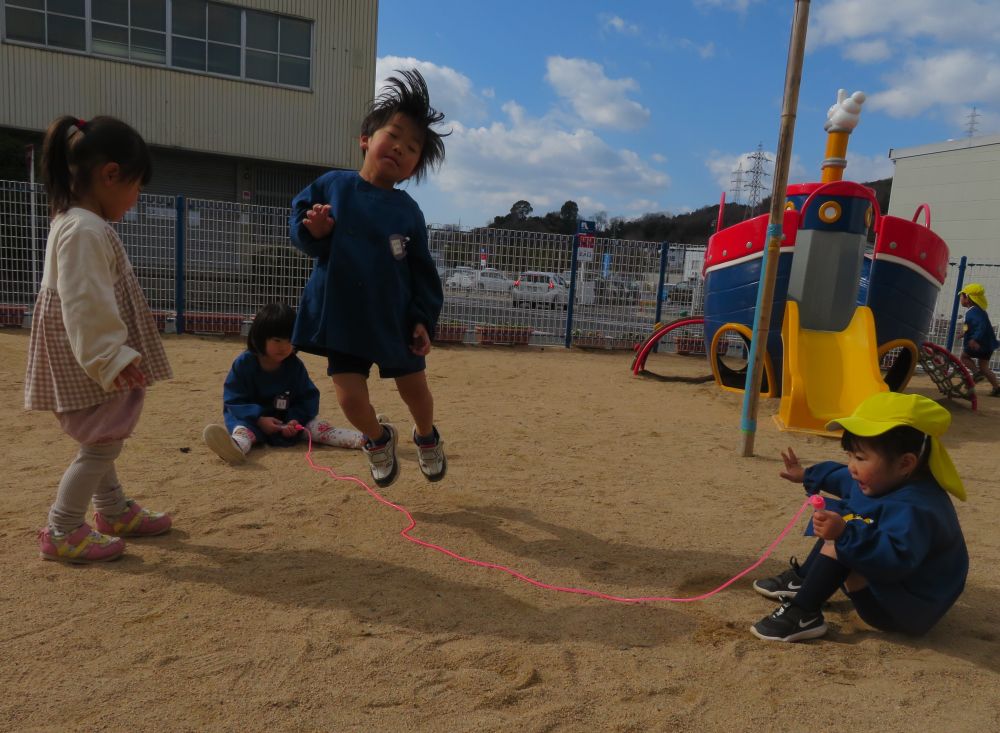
(649, 106)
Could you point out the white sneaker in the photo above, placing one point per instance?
(431, 458)
(222, 443)
(382, 459)
(323, 432)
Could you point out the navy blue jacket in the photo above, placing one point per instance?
(250, 393)
(978, 327)
(362, 298)
(907, 544)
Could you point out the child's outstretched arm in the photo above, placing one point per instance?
(827, 476)
(794, 471)
(313, 218)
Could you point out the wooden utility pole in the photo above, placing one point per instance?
(765, 290)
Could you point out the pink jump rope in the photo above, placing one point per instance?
(815, 501)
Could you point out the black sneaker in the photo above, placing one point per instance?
(781, 587)
(790, 623)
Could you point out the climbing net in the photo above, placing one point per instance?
(948, 373)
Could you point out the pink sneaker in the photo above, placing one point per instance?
(134, 522)
(82, 545)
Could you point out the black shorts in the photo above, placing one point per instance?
(977, 353)
(871, 612)
(338, 363)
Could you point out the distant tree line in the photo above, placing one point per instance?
(693, 227)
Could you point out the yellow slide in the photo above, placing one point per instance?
(826, 374)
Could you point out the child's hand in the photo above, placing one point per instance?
(828, 525)
(290, 429)
(793, 469)
(270, 425)
(318, 221)
(973, 344)
(131, 377)
(421, 342)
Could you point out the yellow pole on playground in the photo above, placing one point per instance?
(765, 291)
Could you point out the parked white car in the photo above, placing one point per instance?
(461, 277)
(491, 278)
(544, 288)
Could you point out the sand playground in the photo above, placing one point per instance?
(286, 601)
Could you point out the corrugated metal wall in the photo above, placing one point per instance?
(193, 175)
(194, 111)
(962, 186)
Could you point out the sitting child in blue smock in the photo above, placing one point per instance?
(891, 539)
(268, 395)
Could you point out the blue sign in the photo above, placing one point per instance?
(586, 227)
(606, 264)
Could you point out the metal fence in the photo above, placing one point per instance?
(208, 266)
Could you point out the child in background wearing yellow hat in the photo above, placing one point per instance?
(892, 539)
(979, 341)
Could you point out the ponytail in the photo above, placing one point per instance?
(74, 149)
(55, 163)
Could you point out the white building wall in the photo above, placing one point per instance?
(199, 112)
(961, 182)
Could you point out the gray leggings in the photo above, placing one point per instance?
(90, 475)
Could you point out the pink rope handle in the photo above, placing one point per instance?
(405, 533)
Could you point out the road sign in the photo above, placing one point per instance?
(585, 248)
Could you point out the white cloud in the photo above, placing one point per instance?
(659, 158)
(597, 99)
(737, 5)
(618, 25)
(643, 206)
(705, 51)
(865, 168)
(451, 91)
(490, 167)
(961, 21)
(868, 52)
(950, 78)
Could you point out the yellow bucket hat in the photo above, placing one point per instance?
(886, 410)
(977, 294)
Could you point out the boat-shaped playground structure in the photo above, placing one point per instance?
(848, 319)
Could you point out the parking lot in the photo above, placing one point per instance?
(617, 319)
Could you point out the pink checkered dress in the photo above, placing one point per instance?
(55, 380)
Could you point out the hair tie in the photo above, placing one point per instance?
(81, 125)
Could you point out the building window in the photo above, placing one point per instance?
(277, 49)
(197, 35)
(129, 29)
(56, 23)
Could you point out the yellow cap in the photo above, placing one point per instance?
(977, 294)
(884, 411)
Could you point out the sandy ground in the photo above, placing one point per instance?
(286, 601)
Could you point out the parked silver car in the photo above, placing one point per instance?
(540, 288)
(491, 278)
(461, 277)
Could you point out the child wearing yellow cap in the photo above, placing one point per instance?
(890, 539)
(979, 340)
